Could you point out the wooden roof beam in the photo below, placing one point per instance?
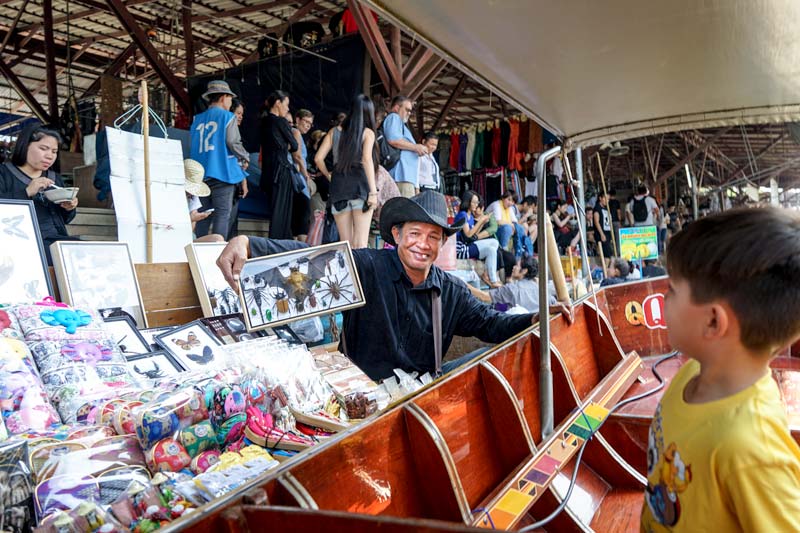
(24, 93)
(174, 86)
(691, 155)
(112, 70)
(450, 101)
(417, 86)
(388, 70)
(50, 59)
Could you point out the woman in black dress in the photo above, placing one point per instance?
(28, 175)
(277, 141)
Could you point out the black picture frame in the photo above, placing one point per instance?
(201, 350)
(150, 334)
(230, 329)
(133, 333)
(38, 237)
(155, 373)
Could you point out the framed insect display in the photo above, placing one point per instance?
(193, 346)
(24, 276)
(98, 275)
(281, 288)
(153, 365)
(123, 331)
(149, 335)
(216, 296)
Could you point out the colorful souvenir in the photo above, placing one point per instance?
(198, 438)
(168, 455)
(70, 319)
(156, 424)
(204, 461)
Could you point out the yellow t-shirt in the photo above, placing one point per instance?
(727, 465)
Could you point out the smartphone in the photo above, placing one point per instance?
(209, 210)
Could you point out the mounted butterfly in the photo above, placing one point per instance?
(193, 346)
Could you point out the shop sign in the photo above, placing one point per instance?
(638, 243)
(649, 313)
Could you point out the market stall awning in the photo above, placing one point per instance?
(596, 71)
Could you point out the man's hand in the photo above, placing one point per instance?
(245, 190)
(421, 149)
(231, 260)
(560, 307)
(603, 237)
(197, 216)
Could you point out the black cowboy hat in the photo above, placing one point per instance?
(428, 207)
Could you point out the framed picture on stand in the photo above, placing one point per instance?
(98, 275)
(281, 288)
(24, 276)
(149, 335)
(216, 296)
(193, 346)
(123, 331)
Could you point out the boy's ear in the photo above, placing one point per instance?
(717, 322)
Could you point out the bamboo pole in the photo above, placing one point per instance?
(605, 192)
(147, 199)
(572, 276)
(602, 260)
(554, 262)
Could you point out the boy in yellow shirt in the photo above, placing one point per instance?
(720, 456)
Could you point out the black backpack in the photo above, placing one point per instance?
(389, 154)
(639, 209)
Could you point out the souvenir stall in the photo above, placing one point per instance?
(110, 425)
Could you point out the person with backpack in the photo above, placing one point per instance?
(642, 210)
(399, 152)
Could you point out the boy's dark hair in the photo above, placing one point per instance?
(750, 258)
(642, 189)
(612, 192)
(530, 200)
(429, 135)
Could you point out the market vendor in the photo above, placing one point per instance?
(29, 174)
(395, 327)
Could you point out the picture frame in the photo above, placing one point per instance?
(153, 365)
(230, 328)
(216, 296)
(24, 275)
(149, 335)
(282, 288)
(123, 331)
(95, 275)
(192, 345)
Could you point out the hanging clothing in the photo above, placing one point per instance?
(479, 183)
(444, 152)
(524, 137)
(505, 135)
(494, 184)
(477, 154)
(495, 148)
(462, 152)
(455, 149)
(513, 137)
(535, 138)
(470, 148)
(487, 148)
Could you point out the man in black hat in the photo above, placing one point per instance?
(395, 329)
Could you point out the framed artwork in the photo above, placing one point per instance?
(153, 365)
(123, 331)
(281, 288)
(216, 296)
(230, 328)
(193, 346)
(98, 275)
(149, 335)
(24, 276)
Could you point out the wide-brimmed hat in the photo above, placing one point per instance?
(218, 87)
(194, 173)
(428, 207)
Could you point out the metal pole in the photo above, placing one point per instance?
(582, 209)
(693, 188)
(545, 371)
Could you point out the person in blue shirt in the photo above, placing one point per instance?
(217, 145)
(406, 171)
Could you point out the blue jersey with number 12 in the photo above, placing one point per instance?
(210, 149)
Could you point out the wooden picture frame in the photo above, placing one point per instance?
(192, 345)
(24, 276)
(94, 275)
(215, 295)
(123, 332)
(153, 365)
(282, 288)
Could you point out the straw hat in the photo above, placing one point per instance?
(194, 172)
(218, 87)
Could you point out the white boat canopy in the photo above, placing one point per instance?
(594, 71)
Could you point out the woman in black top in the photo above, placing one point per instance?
(353, 193)
(28, 175)
(277, 141)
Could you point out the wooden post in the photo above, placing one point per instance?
(148, 207)
(188, 38)
(572, 276)
(50, 61)
(603, 261)
(554, 262)
(603, 181)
